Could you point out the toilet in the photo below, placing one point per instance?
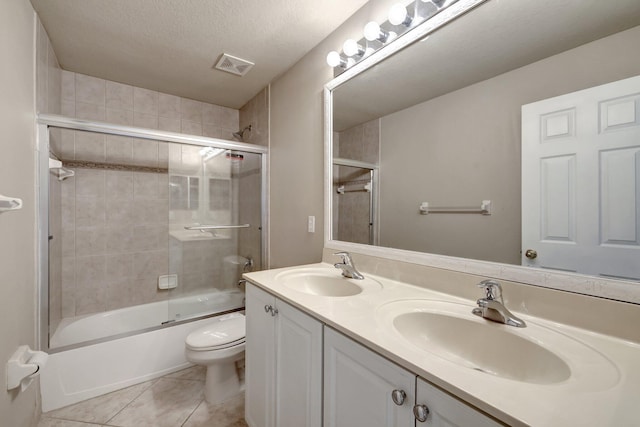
(219, 346)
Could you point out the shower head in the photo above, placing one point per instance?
(240, 134)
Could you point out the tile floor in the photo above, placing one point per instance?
(175, 400)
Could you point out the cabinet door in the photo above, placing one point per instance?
(298, 368)
(259, 359)
(447, 411)
(358, 386)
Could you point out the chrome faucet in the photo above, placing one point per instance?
(492, 307)
(348, 268)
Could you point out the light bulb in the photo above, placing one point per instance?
(398, 15)
(352, 48)
(372, 31)
(334, 59)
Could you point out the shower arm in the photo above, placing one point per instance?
(215, 227)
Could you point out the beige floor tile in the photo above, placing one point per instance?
(167, 403)
(227, 414)
(197, 373)
(102, 408)
(52, 422)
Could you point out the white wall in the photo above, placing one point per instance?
(17, 178)
(296, 150)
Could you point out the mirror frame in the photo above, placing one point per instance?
(621, 290)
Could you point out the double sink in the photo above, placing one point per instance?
(536, 354)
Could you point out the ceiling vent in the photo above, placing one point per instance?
(233, 65)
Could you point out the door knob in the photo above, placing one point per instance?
(421, 412)
(531, 254)
(398, 397)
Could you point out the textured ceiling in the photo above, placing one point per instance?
(172, 45)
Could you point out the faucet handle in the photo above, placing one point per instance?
(346, 257)
(492, 289)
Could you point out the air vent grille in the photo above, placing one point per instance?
(233, 65)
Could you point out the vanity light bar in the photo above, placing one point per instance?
(402, 18)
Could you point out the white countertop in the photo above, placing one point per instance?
(601, 393)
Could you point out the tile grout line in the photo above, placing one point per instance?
(192, 412)
(153, 382)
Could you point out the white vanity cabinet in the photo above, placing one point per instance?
(363, 389)
(443, 410)
(295, 379)
(283, 364)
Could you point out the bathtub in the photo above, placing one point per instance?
(106, 365)
(140, 317)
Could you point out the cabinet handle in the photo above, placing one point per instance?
(398, 397)
(421, 412)
(270, 309)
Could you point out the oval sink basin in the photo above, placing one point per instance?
(482, 347)
(325, 282)
(534, 354)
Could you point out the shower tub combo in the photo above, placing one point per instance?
(103, 350)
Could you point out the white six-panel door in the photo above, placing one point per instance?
(581, 181)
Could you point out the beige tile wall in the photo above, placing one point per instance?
(362, 143)
(249, 210)
(116, 223)
(115, 239)
(92, 98)
(256, 113)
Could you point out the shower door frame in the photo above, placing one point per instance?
(46, 121)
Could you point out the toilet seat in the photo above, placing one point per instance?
(228, 331)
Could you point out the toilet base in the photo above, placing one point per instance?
(222, 382)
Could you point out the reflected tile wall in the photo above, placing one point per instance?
(362, 143)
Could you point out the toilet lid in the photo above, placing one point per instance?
(224, 332)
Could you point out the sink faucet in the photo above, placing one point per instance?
(492, 306)
(348, 268)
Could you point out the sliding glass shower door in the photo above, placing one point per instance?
(140, 231)
(214, 228)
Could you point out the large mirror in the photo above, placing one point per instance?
(427, 145)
